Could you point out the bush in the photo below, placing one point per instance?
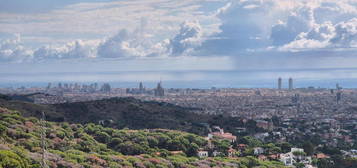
(3, 129)
(9, 159)
(102, 137)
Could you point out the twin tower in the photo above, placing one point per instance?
(291, 84)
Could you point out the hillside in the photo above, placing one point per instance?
(123, 113)
(90, 145)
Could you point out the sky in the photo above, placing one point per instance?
(92, 36)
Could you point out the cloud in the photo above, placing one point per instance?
(244, 25)
(75, 49)
(12, 50)
(326, 36)
(120, 45)
(346, 34)
(299, 21)
(256, 25)
(131, 44)
(93, 20)
(139, 43)
(188, 38)
(151, 28)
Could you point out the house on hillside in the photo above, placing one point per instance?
(202, 153)
(222, 135)
(217, 153)
(287, 159)
(258, 150)
(231, 152)
(296, 155)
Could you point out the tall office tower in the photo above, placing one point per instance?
(159, 91)
(49, 86)
(141, 88)
(291, 85)
(105, 88)
(95, 86)
(279, 83)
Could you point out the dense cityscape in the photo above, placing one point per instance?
(324, 117)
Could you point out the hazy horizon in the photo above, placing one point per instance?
(323, 78)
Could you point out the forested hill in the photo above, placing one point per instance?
(115, 112)
(131, 113)
(124, 113)
(91, 145)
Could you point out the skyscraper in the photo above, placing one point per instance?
(279, 83)
(159, 91)
(49, 86)
(141, 88)
(291, 85)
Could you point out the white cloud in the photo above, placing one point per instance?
(88, 20)
(13, 50)
(238, 27)
(287, 25)
(346, 34)
(123, 44)
(139, 43)
(188, 38)
(75, 49)
(298, 21)
(326, 36)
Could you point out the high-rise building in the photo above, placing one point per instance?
(279, 83)
(49, 86)
(60, 85)
(291, 84)
(105, 88)
(141, 88)
(159, 91)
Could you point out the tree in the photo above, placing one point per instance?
(250, 141)
(192, 150)
(308, 148)
(251, 126)
(285, 147)
(324, 163)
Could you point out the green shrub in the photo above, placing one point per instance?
(3, 129)
(9, 159)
